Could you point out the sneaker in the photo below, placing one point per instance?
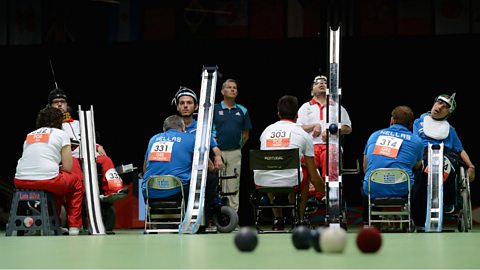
(63, 231)
(278, 224)
(73, 231)
(120, 194)
(449, 209)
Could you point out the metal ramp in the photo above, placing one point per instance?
(335, 216)
(434, 220)
(194, 212)
(89, 168)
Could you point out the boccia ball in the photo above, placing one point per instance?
(315, 235)
(369, 240)
(333, 240)
(301, 237)
(28, 222)
(264, 200)
(333, 128)
(246, 239)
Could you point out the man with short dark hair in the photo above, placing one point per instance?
(392, 147)
(286, 134)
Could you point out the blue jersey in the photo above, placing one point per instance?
(192, 128)
(393, 147)
(170, 152)
(450, 143)
(228, 125)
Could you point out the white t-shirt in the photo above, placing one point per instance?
(42, 154)
(310, 114)
(283, 134)
(73, 130)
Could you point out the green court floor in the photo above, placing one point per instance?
(131, 249)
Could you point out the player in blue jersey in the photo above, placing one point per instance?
(433, 127)
(169, 153)
(392, 147)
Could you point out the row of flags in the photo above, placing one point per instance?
(34, 22)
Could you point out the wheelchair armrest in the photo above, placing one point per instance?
(352, 171)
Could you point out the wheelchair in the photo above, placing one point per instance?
(224, 217)
(460, 211)
(109, 212)
(464, 213)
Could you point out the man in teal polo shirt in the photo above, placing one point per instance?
(231, 126)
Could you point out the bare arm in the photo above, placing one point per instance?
(344, 130)
(245, 136)
(144, 165)
(313, 175)
(365, 162)
(101, 151)
(218, 162)
(66, 154)
(316, 129)
(471, 168)
(417, 165)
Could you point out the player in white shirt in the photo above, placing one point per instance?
(44, 150)
(286, 134)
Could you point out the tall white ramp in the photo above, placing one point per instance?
(333, 176)
(196, 198)
(89, 166)
(434, 220)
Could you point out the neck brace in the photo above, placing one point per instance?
(436, 129)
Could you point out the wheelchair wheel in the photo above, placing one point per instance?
(461, 223)
(109, 216)
(466, 202)
(226, 219)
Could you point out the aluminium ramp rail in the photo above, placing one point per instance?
(89, 167)
(434, 220)
(333, 178)
(194, 212)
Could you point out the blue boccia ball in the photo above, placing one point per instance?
(246, 239)
(301, 237)
(315, 238)
(333, 128)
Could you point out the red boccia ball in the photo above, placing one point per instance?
(369, 240)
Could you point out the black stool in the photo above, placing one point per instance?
(44, 216)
